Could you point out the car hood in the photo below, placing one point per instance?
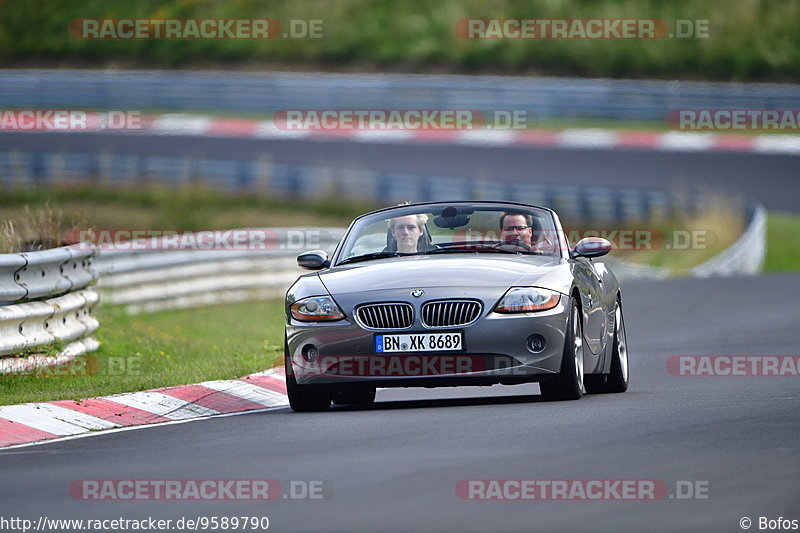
(494, 270)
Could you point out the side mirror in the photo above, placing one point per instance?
(591, 247)
(313, 260)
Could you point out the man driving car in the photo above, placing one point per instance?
(516, 228)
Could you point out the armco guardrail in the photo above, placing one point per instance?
(157, 277)
(55, 271)
(44, 299)
(746, 255)
(273, 91)
(10, 290)
(65, 318)
(31, 275)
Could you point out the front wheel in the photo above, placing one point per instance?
(568, 384)
(303, 398)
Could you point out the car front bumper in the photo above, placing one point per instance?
(496, 350)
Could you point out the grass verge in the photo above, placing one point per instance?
(162, 349)
(783, 243)
(160, 208)
(690, 239)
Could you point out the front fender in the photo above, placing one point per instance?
(305, 286)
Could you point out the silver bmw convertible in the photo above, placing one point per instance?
(454, 293)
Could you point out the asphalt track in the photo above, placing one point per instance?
(394, 467)
(770, 179)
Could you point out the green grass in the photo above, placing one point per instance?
(160, 208)
(749, 39)
(690, 239)
(163, 349)
(783, 242)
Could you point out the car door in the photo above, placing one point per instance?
(594, 316)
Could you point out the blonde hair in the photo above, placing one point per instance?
(422, 219)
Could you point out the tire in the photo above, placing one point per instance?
(618, 379)
(360, 396)
(302, 398)
(568, 384)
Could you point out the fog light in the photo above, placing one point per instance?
(310, 353)
(536, 343)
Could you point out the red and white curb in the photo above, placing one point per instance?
(42, 421)
(575, 138)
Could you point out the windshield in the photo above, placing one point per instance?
(451, 229)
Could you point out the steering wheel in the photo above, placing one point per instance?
(514, 244)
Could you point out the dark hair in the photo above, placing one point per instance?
(528, 218)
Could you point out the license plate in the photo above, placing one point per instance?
(419, 342)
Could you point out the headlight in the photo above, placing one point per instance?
(316, 308)
(526, 299)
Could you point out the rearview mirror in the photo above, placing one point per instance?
(591, 247)
(313, 260)
(453, 217)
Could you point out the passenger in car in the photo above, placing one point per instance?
(407, 232)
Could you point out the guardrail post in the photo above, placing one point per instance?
(618, 209)
(384, 188)
(424, 189)
(469, 189)
(584, 206)
(263, 174)
(105, 169)
(94, 173)
(38, 171)
(58, 169)
(18, 174)
(188, 171)
(293, 181)
(644, 201)
(320, 182)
